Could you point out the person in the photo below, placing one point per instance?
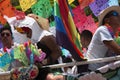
(6, 37)
(103, 38)
(47, 74)
(7, 42)
(70, 70)
(47, 41)
(85, 38)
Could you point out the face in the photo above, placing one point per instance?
(6, 38)
(113, 19)
(84, 42)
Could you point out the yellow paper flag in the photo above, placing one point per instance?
(26, 4)
(70, 1)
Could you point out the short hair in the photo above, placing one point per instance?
(7, 27)
(43, 72)
(86, 34)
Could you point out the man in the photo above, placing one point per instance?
(103, 38)
(7, 42)
(85, 38)
(6, 37)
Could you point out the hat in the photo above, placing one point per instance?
(103, 13)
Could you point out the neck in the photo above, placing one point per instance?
(8, 45)
(112, 29)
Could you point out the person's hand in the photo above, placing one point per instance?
(45, 61)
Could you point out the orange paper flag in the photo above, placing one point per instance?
(2, 20)
(6, 9)
(84, 3)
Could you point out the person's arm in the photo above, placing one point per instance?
(113, 46)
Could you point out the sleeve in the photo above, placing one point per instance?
(105, 34)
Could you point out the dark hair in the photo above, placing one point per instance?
(66, 59)
(109, 14)
(43, 72)
(5, 28)
(86, 34)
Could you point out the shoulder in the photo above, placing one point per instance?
(101, 28)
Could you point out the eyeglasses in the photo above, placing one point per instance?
(112, 13)
(3, 34)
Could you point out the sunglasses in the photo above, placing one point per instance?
(3, 34)
(112, 13)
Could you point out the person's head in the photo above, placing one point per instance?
(43, 73)
(111, 16)
(6, 36)
(85, 38)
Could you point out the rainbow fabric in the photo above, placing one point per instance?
(66, 33)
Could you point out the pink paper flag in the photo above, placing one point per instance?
(78, 15)
(88, 25)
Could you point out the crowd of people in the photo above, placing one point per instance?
(95, 45)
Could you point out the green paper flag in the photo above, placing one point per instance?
(42, 8)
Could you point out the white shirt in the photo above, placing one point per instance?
(97, 49)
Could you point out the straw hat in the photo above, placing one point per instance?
(103, 13)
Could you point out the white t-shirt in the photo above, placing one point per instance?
(97, 49)
(37, 32)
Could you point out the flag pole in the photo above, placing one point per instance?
(99, 60)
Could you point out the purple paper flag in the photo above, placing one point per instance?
(98, 5)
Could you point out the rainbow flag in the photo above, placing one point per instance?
(66, 33)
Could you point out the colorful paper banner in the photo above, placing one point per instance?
(79, 15)
(26, 4)
(84, 3)
(98, 5)
(113, 3)
(82, 21)
(5, 9)
(42, 8)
